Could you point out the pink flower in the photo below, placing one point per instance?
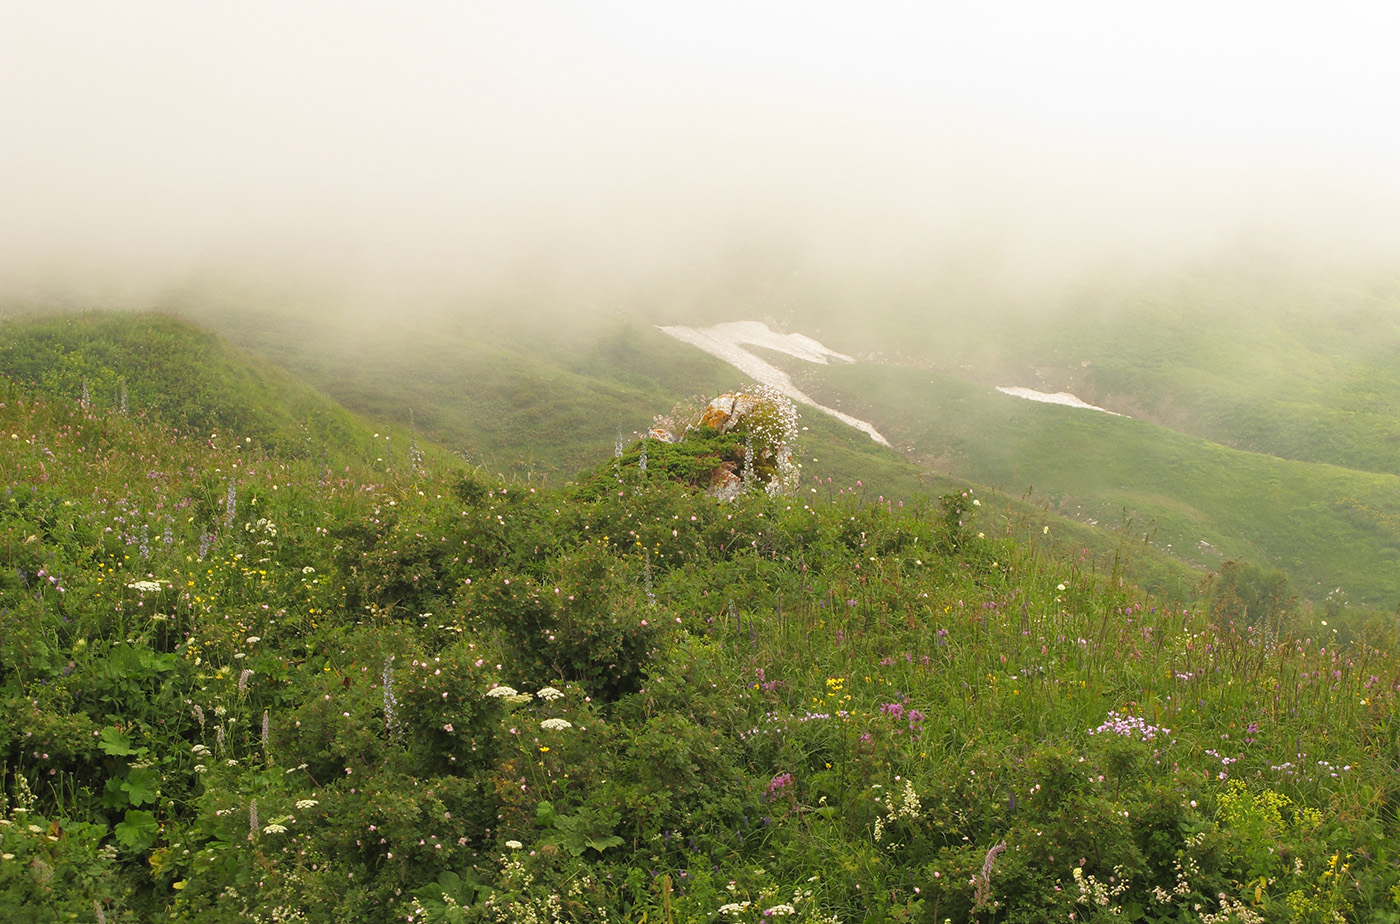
(447, 727)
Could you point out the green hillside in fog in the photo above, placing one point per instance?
(236, 684)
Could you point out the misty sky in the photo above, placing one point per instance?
(436, 140)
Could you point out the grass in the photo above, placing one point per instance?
(1324, 525)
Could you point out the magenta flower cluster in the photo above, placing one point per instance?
(1130, 726)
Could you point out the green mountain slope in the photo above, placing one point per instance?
(181, 376)
(1325, 526)
(235, 685)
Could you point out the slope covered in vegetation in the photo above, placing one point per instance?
(242, 685)
(178, 375)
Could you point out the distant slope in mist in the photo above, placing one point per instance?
(1324, 525)
(1255, 354)
(519, 399)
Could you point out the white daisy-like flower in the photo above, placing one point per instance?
(550, 694)
(556, 724)
(500, 691)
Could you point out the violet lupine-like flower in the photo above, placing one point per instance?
(1130, 726)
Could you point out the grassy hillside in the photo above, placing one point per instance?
(520, 396)
(1248, 350)
(1253, 357)
(1326, 526)
(180, 376)
(236, 687)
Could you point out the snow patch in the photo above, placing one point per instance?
(1059, 397)
(726, 342)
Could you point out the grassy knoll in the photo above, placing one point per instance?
(181, 376)
(238, 686)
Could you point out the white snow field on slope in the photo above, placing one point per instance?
(1059, 397)
(726, 342)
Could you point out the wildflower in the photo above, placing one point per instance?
(145, 586)
(777, 910)
(556, 724)
(549, 694)
(447, 728)
(304, 804)
(514, 845)
(274, 829)
(498, 692)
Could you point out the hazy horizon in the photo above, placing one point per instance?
(384, 153)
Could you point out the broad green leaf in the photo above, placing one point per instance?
(139, 831)
(114, 742)
(142, 785)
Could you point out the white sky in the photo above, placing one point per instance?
(159, 135)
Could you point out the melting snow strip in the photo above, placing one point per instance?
(726, 342)
(1059, 397)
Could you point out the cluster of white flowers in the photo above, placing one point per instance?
(304, 804)
(556, 724)
(263, 525)
(908, 807)
(549, 694)
(501, 691)
(145, 586)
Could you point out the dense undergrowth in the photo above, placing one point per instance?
(243, 686)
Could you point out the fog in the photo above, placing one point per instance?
(386, 156)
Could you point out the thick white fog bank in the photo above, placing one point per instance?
(388, 153)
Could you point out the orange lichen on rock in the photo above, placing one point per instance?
(725, 412)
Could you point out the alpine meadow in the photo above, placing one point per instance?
(266, 660)
(727, 463)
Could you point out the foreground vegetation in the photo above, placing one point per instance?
(240, 684)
